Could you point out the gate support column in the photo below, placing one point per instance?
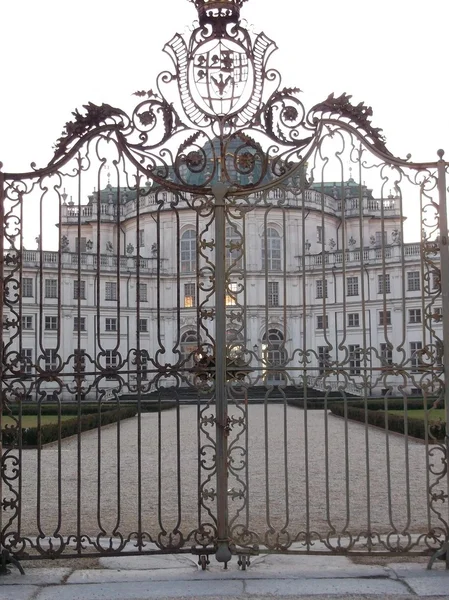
(443, 552)
(223, 554)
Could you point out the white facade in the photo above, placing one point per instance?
(336, 279)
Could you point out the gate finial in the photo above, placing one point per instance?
(210, 10)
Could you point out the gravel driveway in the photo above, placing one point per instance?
(326, 490)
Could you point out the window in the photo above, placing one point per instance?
(323, 359)
(143, 325)
(51, 288)
(352, 286)
(383, 284)
(273, 293)
(111, 361)
(415, 354)
(26, 361)
(234, 247)
(385, 317)
(413, 281)
(437, 313)
(144, 365)
(189, 345)
(231, 295)
(353, 320)
(141, 238)
(436, 279)
(271, 255)
(80, 244)
(274, 354)
(386, 355)
(111, 290)
(321, 290)
(414, 315)
(51, 359)
(189, 295)
(319, 234)
(27, 287)
(79, 290)
(111, 324)
(79, 361)
(27, 322)
(188, 251)
(143, 292)
(381, 237)
(354, 359)
(79, 324)
(322, 322)
(51, 323)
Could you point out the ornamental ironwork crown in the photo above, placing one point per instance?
(218, 9)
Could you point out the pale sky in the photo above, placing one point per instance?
(57, 56)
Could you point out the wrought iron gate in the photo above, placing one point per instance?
(241, 269)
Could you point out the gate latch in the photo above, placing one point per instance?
(226, 427)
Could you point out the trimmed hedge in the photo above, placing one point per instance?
(85, 408)
(372, 403)
(34, 436)
(415, 427)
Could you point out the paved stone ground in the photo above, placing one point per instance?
(269, 576)
(327, 484)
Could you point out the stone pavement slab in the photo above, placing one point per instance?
(314, 587)
(17, 592)
(424, 586)
(156, 561)
(35, 577)
(139, 591)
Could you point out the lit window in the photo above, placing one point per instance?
(111, 324)
(353, 320)
(353, 286)
(231, 296)
(51, 323)
(413, 280)
(51, 288)
(189, 295)
(383, 284)
(273, 293)
(414, 315)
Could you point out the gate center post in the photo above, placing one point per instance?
(223, 553)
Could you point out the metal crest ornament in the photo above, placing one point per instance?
(231, 283)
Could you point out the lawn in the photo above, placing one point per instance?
(31, 420)
(432, 415)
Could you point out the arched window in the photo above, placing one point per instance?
(189, 345)
(188, 251)
(271, 256)
(234, 342)
(273, 354)
(234, 247)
